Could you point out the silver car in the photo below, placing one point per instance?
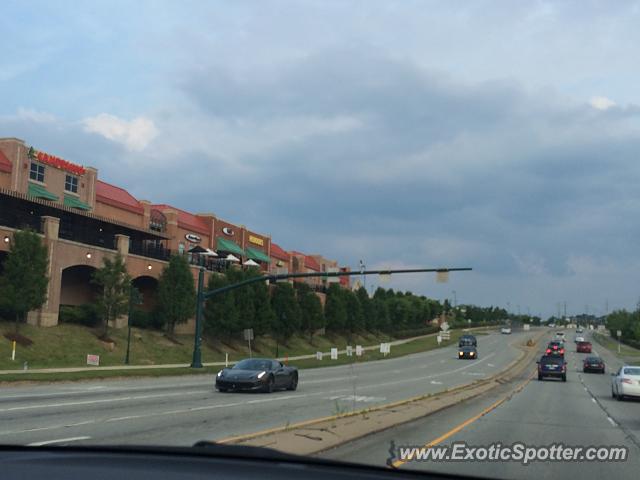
(625, 382)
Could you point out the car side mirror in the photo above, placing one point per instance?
(538, 362)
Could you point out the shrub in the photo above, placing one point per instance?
(79, 314)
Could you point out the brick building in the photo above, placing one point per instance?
(83, 219)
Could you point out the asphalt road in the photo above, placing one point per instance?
(179, 411)
(579, 412)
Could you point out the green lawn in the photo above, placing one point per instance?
(612, 345)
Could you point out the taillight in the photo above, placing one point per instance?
(548, 350)
(555, 347)
(562, 351)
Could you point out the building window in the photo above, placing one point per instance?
(37, 172)
(71, 183)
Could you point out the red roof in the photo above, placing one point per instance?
(5, 163)
(311, 263)
(117, 197)
(187, 220)
(278, 252)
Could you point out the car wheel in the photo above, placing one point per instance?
(268, 388)
(540, 378)
(294, 382)
(221, 390)
(619, 397)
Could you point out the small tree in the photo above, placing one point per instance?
(176, 293)
(287, 313)
(311, 315)
(23, 284)
(116, 286)
(335, 310)
(220, 313)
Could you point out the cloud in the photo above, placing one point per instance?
(601, 103)
(135, 134)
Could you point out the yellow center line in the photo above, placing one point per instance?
(468, 422)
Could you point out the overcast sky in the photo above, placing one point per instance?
(498, 135)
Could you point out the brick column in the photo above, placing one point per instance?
(47, 316)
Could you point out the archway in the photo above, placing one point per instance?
(76, 287)
(148, 287)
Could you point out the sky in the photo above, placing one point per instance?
(498, 135)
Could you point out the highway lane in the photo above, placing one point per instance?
(183, 410)
(579, 412)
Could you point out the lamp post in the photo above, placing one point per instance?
(135, 298)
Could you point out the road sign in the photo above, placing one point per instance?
(446, 335)
(248, 334)
(318, 355)
(349, 351)
(334, 353)
(444, 326)
(358, 350)
(526, 326)
(93, 360)
(618, 333)
(385, 348)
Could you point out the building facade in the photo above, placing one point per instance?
(83, 219)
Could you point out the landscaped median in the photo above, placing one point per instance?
(371, 352)
(314, 436)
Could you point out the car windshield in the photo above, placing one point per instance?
(253, 365)
(593, 359)
(389, 207)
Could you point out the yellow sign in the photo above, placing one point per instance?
(256, 240)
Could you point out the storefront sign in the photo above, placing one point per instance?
(256, 240)
(228, 231)
(193, 238)
(55, 162)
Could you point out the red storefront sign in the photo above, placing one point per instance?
(56, 162)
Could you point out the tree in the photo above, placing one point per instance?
(264, 315)
(287, 313)
(312, 317)
(176, 293)
(220, 313)
(366, 305)
(335, 310)
(24, 282)
(355, 319)
(115, 282)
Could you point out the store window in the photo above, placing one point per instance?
(71, 183)
(37, 172)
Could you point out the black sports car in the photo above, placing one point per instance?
(257, 374)
(468, 351)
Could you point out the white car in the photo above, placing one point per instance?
(579, 339)
(560, 336)
(625, 382)
(505, 330)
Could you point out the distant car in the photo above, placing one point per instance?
(560, 336)
(468, 351)
(555, 349)
(579, 338)
(593, 364)
(579, 330)
(467, 340)
(583, 347)
(552, 325)
(625, 382)
(551, 366)
(505, 330)
(257, 374)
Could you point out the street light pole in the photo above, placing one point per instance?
(197, 353)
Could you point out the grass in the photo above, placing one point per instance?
(612, 345)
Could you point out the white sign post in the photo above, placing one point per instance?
(334, 353)
(358, 350)
(349, 351)
(439, 339)
(619, 334)
(319, 356)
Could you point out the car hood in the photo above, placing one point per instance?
(467, 349)
(240, 374)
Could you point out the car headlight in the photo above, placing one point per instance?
(460, 353)
(219, 374)
(472, 353)
(262, 374)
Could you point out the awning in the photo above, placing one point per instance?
(197, 249)
(251, 263)
(39, 191)
(73, 202)
(229, 246)
(258, 255)
(210, 253)
(232, 258)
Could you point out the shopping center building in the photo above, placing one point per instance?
(83, 219)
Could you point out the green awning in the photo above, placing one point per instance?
(258, 255)
(229, 246)
(73, 202)
(39, 191)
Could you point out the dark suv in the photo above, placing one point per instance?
(552, 366)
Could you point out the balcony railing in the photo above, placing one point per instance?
(150, 250)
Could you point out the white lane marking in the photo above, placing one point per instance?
(585, 388)
(593, 400)
(490, 365)
(356, 398)
(120, 419)
(59, 440)
(104, 400)
(611, 421)
(433, 382)
(475, 374)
